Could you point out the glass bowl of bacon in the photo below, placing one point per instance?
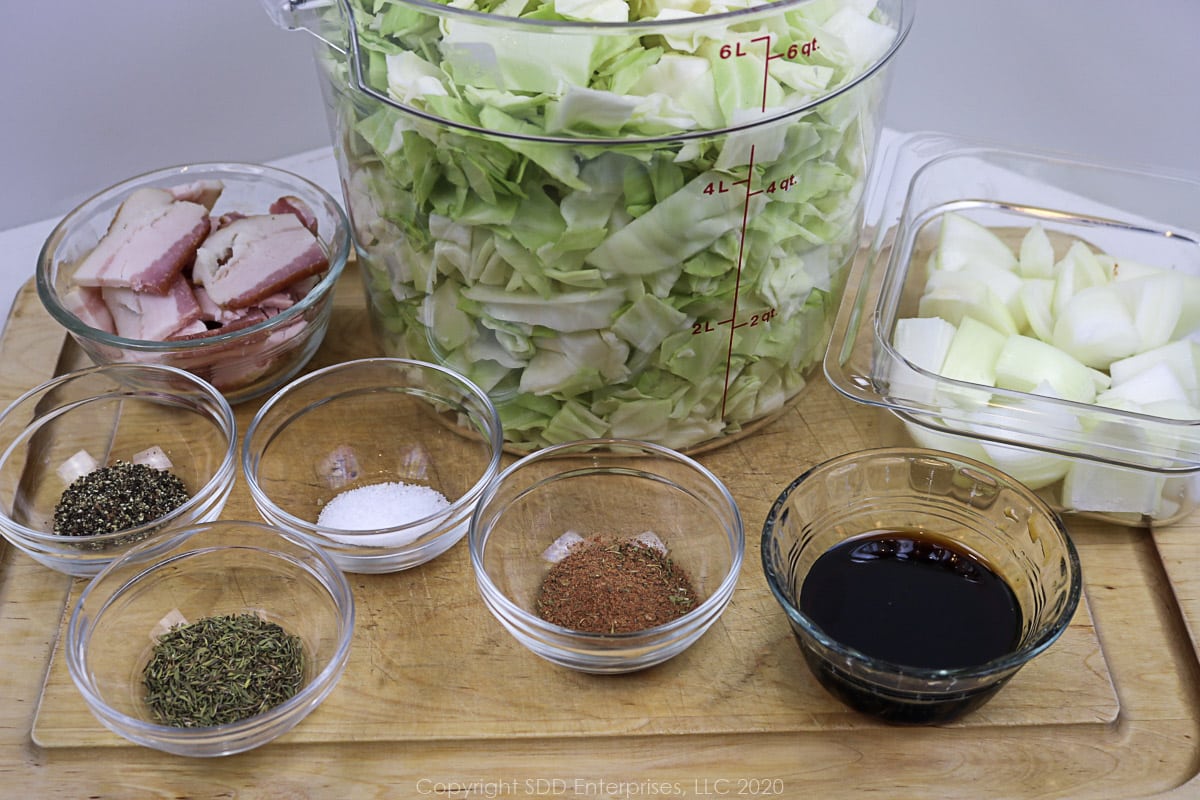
(223, 270)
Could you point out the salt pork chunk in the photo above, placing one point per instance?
(290, 204)
(87, 304)
(223, 317)
(280, 301)
(204, 191)
(254, 257)
(254, 361)
(208, 309)
(139, 315)
(193, 330)
(151, 239)
(244, 319)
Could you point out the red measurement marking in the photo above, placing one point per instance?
(762, 317)
(737, 284)
(793, 51)
(766, 40)
(733, 50)
(738, 50)
(780, 185)
(756, 319)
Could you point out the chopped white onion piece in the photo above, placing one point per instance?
(923, 342)
(1090, 328)
(76, 467)
(561, 546)
(153, 456)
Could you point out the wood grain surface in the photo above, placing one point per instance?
(439, 701)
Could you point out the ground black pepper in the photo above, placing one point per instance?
(614, 586)
(117, 497)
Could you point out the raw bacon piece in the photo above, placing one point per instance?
(226, 218)
(299, 289)
(290, 204)
(140, 315)
(87, 304)
(254, 257)
(209, 310)
(204, 191)
(168, 269)
(193, 330)
(255, 361)
(251, 316)
(223, 317)
(141, 208)
(280, 301)
(151, 239)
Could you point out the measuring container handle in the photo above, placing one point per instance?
(303, 15)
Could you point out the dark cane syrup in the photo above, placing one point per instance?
(913, 599)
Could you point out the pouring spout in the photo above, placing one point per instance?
(303, 15)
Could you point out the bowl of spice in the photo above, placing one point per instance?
(94, 461)
(226, 270)
(380, 459)
(217, 642)
(606, 555)
(916, 582)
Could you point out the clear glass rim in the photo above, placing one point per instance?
(904, 18)
(644, 26)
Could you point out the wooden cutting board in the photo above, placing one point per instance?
(438, 700)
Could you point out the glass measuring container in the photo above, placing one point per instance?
(618, 220)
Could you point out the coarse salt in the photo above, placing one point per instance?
(382, 507)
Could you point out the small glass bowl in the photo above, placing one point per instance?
(985, 512)
(96, 416)
(612, 488)
(207, 570)
(368, 422)
(1096, 460)
(244, 363)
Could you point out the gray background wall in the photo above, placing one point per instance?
(97, 91)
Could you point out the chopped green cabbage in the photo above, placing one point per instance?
(569, 218)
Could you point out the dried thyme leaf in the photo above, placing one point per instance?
(223, 669)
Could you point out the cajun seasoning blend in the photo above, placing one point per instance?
(615, 585)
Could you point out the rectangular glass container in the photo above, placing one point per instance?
(1108, 461)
